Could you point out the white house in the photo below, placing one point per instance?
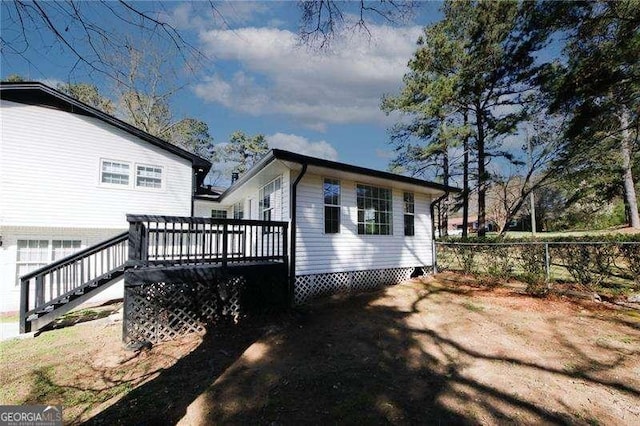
(352, 227)
(69, 174)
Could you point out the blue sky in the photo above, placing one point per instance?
(257, 78)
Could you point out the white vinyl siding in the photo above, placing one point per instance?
(52, 167)
(317, 252)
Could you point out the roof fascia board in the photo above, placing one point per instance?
(333, 165)
(286, 156)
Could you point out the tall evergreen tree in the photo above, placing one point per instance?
(245, 151)
(599, 88)
(477, 63)
(89, 94)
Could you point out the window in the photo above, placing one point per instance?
(34, 254)
(409, 211)
(271, 200)
(331, 191)
(219, 214)
(114, 172)
(148, 176)
(374, 210)
(63, 248)
(238, 210)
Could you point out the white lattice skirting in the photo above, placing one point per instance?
(308, 287)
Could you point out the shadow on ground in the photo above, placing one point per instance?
(344, 361)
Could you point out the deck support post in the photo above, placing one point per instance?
(25, 326)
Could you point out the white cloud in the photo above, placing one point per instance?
(203, 16)
(302, 145)
(279, 76)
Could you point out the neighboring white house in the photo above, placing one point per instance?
(352, 227)
(69, 174)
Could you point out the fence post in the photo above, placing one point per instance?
(434, 256)
(547, 267)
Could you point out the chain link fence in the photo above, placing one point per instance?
(599, 265)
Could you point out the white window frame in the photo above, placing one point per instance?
(150, 188)
(325, 205)
(111, 184)
(49, 253)
(366, 212)
(238, 210)
(226, 213)
(406, 213)
(271, 208)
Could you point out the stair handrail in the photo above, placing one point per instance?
(40, 273)
(75, 256)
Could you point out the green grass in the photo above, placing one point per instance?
(542, 235)
(473, 307)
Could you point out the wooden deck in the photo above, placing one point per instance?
(158, 249)
(185, 274)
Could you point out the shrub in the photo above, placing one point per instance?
(532, 260)
(588, 264)
(537, 289)
(499, 266)
(466, 257)
(631, 254)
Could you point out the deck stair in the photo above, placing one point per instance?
(57, 288)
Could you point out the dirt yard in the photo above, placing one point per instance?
(437, 352)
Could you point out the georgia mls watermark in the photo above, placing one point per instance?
(30, 415)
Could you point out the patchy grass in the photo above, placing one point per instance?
(473, 307)
(444, 351)
(9, 318)
(87, 314)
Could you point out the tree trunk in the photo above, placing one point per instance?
(465, 182)
(629, 187)
(445, 201)
(482, 187)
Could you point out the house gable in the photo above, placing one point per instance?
(34, 93)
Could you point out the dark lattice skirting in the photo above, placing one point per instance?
(166, 303)
(308, 287)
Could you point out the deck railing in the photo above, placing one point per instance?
(46, 285)
(174, 240)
